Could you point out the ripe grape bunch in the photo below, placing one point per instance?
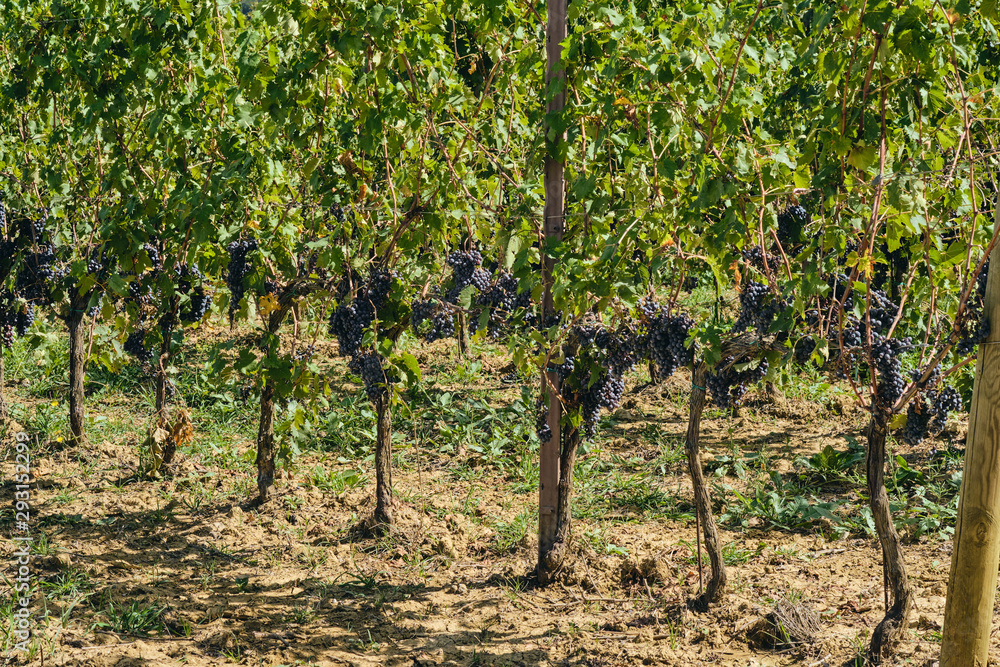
(15, 318)
(135, 344)
(885, 355)
(465, 266)
(502, 299)
(727, 385)
(755, 257)
(237, 270)
(926, 415)
(667, 334)
(377, 380)
(758, 308)
(974, 326)
(791, 222)
(37, 277)
(349, 320)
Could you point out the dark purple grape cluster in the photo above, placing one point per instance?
(926, 414)
(304, 353)
(565, 369)
(100, 263)
(464, 265)
(667, 335)
(605, 394)
(542, 428)
(423, 309)
(153, 254)
(237, 270)
(755, 257)
(791, 223)
(377, 380)
(758, 308)
(35, 281)
(804, 349)
(32, 230)
(139, 292)
(135, 344)
(201, 303)
(727, 385)
(24, 318)
(974, 326)
(349, 320)
(15, 318)
(480, 280)
(882, 312)
(885, 356)
(442, 325)
(503, 294)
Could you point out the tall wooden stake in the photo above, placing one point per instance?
(973, 582)
(555, 92)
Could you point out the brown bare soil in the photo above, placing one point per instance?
(300, 581)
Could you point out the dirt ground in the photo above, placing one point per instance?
(300, 582)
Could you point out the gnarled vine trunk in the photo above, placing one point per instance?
(265, 441)
(384, 514)
(77, 370)
(170, 448)
(3, 400)
(716, 587)
(893, 625)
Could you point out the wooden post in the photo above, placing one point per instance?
(973, 582)
(555, 93)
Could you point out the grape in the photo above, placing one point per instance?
(927, 413)
(35, 280)
(237, 270)
(727, 385)
(755, 257)
(200, 305)
(885, 355)
(758, 307)
(542, 427)
(791, 222)
(31, 230)
(369, 366)
(667, 335)
(463, 265)
(974, 326)
(422, 311)
(443, 326)
(804, 349)
(480, 280)
(135, 345)
(155, 261)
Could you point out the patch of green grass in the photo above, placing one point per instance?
(335, 482)
(509, 535)
(133, 618)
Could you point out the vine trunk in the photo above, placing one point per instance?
(383, 462)
(893, 625)
(716, 588)
(77, 369)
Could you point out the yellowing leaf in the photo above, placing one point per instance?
(267, 304)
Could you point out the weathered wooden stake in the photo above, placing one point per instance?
(972, 585)
(549, 456)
